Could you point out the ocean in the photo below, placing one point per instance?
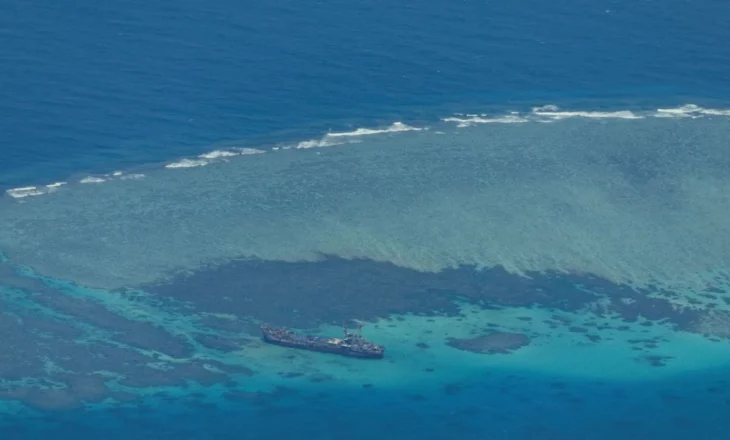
(525, 202)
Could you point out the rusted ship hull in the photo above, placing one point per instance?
(343, 347)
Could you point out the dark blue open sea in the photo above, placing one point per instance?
(525, 202)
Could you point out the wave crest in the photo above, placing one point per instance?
(551, 113)
(546, 113)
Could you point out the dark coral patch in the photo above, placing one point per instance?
(258, 398)
(77, 390)
(136, 333)
(451, 389)
(216, 342)
(656, 360)
(493, 343)
(293, 294)
(60, 342)
(576, 329)
(321, 377)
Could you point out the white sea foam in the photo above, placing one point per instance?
(340, 138)
(222, 154)
(213, 157)
(552, 113)
(92, 179)
(25, 191)
(715, 112)
(326, 141)
(248, 151)
(217, 154)
(117, 175)
(187, 163)
(396, 127)
(468, 120)
(132, 176)
(690, 111)
(29, 191)
(20, 193)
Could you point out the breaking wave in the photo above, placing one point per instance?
(546, 113)
(551, 113)
(213, 157)
(396, 127)
(342, 138)
(27, 191)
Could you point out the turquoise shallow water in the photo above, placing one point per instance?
(590, 383)
(541, 243)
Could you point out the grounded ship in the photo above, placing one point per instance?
(352, 345)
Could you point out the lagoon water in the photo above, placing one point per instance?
(525, 202)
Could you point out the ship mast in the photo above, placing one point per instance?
(359, 323)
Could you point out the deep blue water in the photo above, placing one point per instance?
(93, 87)
(499, 407)
(108, 85)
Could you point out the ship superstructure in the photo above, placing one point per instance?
(352, 344)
